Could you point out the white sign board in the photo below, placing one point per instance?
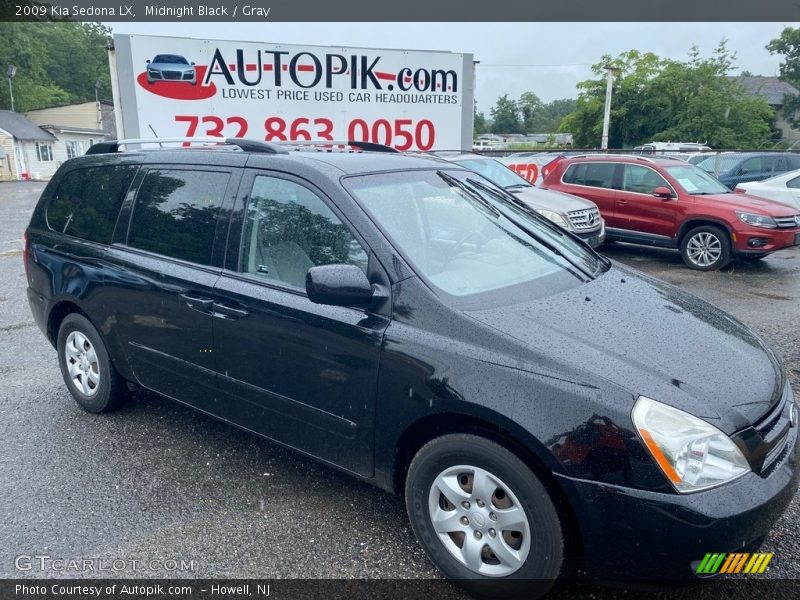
(411, 100)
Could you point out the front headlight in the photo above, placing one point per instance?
(693, 454)
(757, 220)
(554, 217)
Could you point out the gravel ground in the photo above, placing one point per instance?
(156, 480)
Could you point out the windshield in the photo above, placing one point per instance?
(465, 237)
(170, 59)
(726, 163)
(696, 181)
(494, 171)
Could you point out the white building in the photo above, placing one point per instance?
(27, 151)
(33, 146)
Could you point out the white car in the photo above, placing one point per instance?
(781, 188)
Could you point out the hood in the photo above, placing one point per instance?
(538, 198)
(651, 339)
(739, 201)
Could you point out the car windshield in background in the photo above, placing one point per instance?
(465, 238)
(726, 163)
(696, 181)
(494, 171)
(170, 59)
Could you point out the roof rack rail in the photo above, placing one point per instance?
(330, 145)
(611, 155)
(245, 145)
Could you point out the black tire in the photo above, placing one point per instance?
(719, 241)
(545, 557)
(110, 389)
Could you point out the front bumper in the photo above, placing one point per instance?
(593, 238)
(768, 240)
(631, 534)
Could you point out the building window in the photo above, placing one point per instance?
(73, 149)
(44, 152)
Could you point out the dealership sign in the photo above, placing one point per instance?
(412, 100)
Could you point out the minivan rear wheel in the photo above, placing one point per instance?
(706, 248)
(483, 517)
(85, 365)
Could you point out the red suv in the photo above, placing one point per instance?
(672, 204)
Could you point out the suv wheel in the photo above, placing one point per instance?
(86, 367)
(483, 517)
(706, 248)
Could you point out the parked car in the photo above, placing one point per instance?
(170, 67)
(658, 148)
(578, 216)
(672, 204)
(741, 167)
(400, 319)
(783, 188)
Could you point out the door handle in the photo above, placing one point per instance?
(198, 301)
(225, 311)
(622, 201)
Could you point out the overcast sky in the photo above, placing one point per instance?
(561, 52)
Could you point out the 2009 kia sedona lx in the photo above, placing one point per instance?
(409, 322)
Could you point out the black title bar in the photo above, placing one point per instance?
(402, 10)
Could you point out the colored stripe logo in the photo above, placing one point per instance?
(734, 562)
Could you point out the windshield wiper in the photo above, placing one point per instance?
(518, 185)
(549, 245)
(504, 197)
(472, 194)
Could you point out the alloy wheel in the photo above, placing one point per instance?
(704, 249)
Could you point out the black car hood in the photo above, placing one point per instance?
(651, 339)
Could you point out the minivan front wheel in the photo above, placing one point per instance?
(86, 367)
(706, 248)
(483, 517)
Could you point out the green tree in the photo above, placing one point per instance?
(529, 106)
(549, 116)
(505, 116)
(57, 63)
(657, 99)
(788, 45)
(479, 122)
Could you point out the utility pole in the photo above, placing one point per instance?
(97, 85)
(607, 114)
(12, 70)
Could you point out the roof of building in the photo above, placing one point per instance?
(68, 129)
(105, 103)
(22, 129)
(771, 89)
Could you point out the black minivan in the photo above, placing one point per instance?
(409, 322)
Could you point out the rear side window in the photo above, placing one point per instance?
(592, 174)
(175, 213)
(87, 201)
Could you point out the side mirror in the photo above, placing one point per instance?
(663, 192)
(148, 61)
(192, 64)
(338, 285)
